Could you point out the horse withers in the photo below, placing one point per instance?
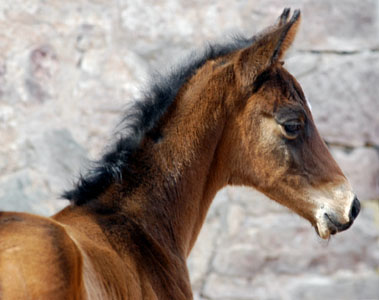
(230, 115)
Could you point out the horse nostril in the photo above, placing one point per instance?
(355, 208)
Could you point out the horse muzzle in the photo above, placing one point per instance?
(328, 223)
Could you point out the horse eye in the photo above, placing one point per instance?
(291, 130)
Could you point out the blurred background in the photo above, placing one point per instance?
(67, 68)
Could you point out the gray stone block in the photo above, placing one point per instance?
(343, 93)
(366, 182)
(343, 286)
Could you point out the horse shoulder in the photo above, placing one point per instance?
(106, 273)
(38, 260)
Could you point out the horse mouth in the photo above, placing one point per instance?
(330, 226)
(335, 226)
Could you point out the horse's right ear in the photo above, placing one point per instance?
(267, 48)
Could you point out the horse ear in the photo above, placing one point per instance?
(267, 48)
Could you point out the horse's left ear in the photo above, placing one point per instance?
(267, 48)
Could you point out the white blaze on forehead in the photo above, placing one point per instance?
(307, 101)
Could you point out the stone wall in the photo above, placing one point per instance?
(67, 68)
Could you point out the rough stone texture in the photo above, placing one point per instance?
(366, 183)
(68, 68)
(343, 91)
(345, 285)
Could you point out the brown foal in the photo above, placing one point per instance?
(232, 115)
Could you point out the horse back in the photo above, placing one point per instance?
(38, 259)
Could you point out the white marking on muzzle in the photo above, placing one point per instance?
(336, 202)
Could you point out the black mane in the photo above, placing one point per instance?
(141, 118)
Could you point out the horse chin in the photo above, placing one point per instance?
(322, 231)
(321, 225)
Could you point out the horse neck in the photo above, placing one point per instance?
(185, 171)
(156, 213)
